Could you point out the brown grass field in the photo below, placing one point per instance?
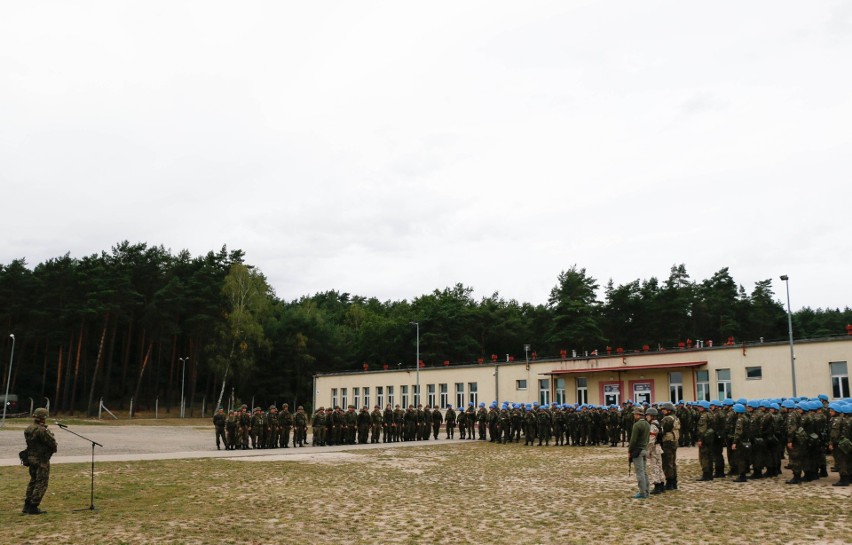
(434, 492)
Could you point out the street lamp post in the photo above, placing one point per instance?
(8, 381)
(786, 280)
(417, 365)
(182, 382)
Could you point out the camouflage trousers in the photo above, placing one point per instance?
(670, 459)
(655, 464)
(39, 476)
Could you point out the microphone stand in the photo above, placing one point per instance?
(91, 506)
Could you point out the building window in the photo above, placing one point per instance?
(544, 391)
(582, 391)
(723, 384)
(404, 391)
(754, 373)
(445, 395)
(560, 391)
(459, 394)
(839, 379)
(367, 396)
(380, 398)
(356, 394)
(334, 397)
(430, 394)
(416, 389)
(521, 384)
(472, 393)
(390, 395)
(344, 398)
(675, 386)
(702, 385)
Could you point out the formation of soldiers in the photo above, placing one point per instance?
(750, 437)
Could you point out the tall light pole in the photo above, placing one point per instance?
(417, 364)
(8, 381)
(786, 280)
(182, 381)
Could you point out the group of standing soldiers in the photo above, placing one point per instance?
(260, 429)
(756, 435)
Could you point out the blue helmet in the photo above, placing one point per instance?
(822, 397)
(754, 404)
(775, 406)
(766, 404)
(742, 401)
(705, 405)
(482, 404)
(788, 404)
(728, 402)
(739, 408)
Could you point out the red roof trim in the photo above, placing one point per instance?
(611, 369)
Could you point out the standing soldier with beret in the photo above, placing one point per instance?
(285, 422)
(637, 450)
(41, 445)
(437, 420)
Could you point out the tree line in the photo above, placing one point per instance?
(141, 323)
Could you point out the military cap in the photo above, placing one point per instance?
(639, 410)
(40, 413)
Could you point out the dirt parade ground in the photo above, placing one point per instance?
(165, 482)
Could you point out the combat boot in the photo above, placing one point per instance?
(844, 481)
(26, 509)
(756, 474)
(719, 474)
(822, 472)
(741, 479)
(34, 510)
(705, 476)
(797, 479)
(669, 484)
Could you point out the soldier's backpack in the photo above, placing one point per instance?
(25, 460)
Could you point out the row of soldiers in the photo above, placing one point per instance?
(758, 433)
(261, 429)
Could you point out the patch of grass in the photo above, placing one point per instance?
(473, 493)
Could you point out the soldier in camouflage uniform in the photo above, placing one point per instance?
(300, 427)
(450, 418)
(426, 425)
(796, 440)
(492, 418)
(376, 420)
(718, 418)
(272, 427)
(838, 431)
(517, 422)
(481, 421)
(219, 425)
(706, 440)
(437, 420)
(231, 427)
(318, 428)
(558, 418)
(462, 421)
(741, 442)
(530, 420)
(243, 427)
(543, 420)
(388, 424)
(398, 423)
(258, 424)
(41, 445)
(470, 418)
(285, 420)
(364, 424)
(669, 426)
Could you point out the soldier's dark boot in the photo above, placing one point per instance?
(669, 484)
(26, 509)
(674, 483)
(34, 510)
(756, 474)
(823, 472)
(741, 479)
(719, 474)
(706, 476)
(658, 488)
(808, 476)
(844, 481)
(797, 478)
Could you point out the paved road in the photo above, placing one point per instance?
(130, 443)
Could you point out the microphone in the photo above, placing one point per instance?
(60, 424)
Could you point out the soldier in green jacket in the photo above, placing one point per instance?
(318, 428)
(637, 450)
(41, 445)
(741, 442)
(437, 420)
(285, 420)
(450, 418)
(300, 427)
(219, 425)
(272, 427)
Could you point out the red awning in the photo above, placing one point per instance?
(622, 368)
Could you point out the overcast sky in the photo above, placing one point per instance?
(388, 149)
